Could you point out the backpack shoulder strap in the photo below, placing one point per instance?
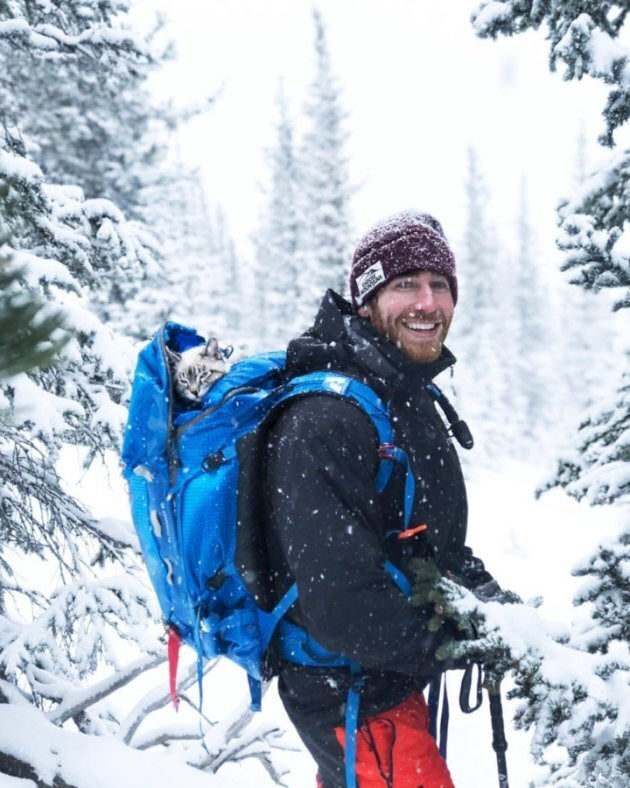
(339, 385)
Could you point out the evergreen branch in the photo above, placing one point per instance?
(50, 38)
(30, 333)
(580, 693)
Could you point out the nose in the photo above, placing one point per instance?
(424, 300)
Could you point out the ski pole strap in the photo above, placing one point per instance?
(464, 690)
(499, 742)
(435, 692)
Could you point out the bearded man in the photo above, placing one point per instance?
(331, 532)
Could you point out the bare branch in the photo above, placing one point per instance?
(83, 699)
(157, 700)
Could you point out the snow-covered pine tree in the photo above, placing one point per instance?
(599, 470)
(533, 349)
(582, 738)
(586, 37)
(325, 186)
(63, 247)
(482, 384)
(70, 590)
(279, 240)
(226, 271)
(574, 687)
(66, 53)
(587, 352)
(187, 287)
(94, 123)
(28, 338)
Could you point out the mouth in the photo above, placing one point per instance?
(422, 328)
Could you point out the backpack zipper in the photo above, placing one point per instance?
(172, 451)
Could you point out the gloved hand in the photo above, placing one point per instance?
(443, 614)
(492, 592)
(458, 643)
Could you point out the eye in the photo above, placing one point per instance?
(440, 284)
(405, 284)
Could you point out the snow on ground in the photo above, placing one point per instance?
(529, 545)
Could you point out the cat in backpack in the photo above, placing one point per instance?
(197, 369)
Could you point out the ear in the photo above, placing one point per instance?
(172, 356)
(364, 311)
(212, 348)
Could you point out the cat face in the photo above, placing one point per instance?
(195, 370)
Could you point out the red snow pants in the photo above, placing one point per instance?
(395, 749)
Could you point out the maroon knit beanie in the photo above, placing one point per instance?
(407, 241)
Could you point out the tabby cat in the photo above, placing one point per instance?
(195, 371)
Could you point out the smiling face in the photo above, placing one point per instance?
(414, 311)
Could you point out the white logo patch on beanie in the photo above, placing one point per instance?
(370, 278)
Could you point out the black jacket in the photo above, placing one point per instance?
(327, 528)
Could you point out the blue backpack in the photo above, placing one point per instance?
(189, 494)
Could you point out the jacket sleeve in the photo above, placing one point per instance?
(325, 512)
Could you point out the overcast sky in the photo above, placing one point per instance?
(419, 88)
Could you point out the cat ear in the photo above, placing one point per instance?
(172, 355)
(212, 348)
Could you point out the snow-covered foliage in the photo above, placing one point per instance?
(574, 688)
(34, 747)
(79, 625)
(599, 469)
(480, 266)
(581, 710)
(83, 107)
(504, 380)
(587, 37)
(65, 248)
(26, 328)
(303, 243)
(595, 230)
(280, 238)
(584, 37)
(324, 183)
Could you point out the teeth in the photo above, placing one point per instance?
(421, 326)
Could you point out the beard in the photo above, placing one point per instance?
(418, 346)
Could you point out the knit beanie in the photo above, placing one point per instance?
(407, 241)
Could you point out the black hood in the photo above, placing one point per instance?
(342, 340)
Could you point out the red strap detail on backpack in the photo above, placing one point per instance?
(385, 451)
(412, 531)
(174, 642)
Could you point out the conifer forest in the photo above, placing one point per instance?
(110, 225)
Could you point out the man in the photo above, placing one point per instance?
(331, 532)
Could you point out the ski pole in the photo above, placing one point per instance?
(499, 742)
